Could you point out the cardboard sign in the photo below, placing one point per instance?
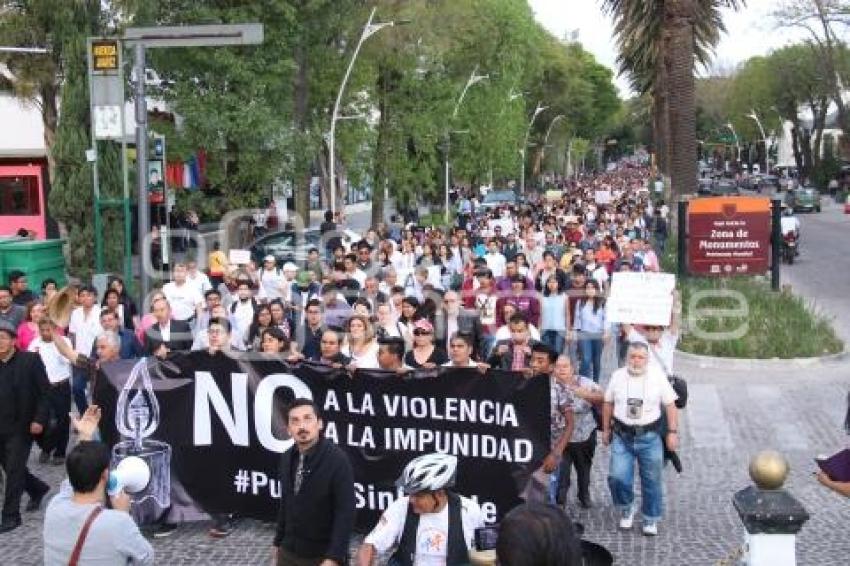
(641, 298)
(603, 197)
(506, 225)
(239, 257)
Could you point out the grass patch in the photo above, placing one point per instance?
(743, 318)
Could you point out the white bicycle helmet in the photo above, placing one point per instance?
(430, 472)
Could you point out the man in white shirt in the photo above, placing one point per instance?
(494, 258)
(271, 280)
(57, 362)
(197, 278)
(631, 419)
(83, 328)
(446, 521)
(185, 299)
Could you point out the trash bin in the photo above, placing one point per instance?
(39, 259)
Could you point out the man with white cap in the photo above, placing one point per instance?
(271, 280)
(430, 524)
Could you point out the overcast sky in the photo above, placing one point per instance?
(750, 32)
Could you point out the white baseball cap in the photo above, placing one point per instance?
(270, 258)
(289, 266)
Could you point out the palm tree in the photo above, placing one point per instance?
(660, 42)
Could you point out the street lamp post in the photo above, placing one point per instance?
(546, 138)
(537, 112)
(368, 30)
(474, 78)
(752, 115)
(737, 143)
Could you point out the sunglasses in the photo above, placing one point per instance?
(421, 332)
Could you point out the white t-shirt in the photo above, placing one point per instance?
(496, 263)
(58, 367)
(199, 280)
(366, 360)
(271, 284)
(432, 535)
(183, 299)
(85, 329)
(504, 333)
(789, 224)
(652, 389)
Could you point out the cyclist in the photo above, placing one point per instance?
(430, 525)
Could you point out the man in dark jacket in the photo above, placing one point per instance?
(23, 412)
(454, 318)
(316, 514)
(167, 335)
(514, 354)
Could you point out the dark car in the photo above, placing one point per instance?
(497, 198)
(704, 187)
(804, 199)
(725, 188)
(286, 246)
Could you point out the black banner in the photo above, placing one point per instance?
(223, 419)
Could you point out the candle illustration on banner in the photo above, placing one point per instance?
(137, 418)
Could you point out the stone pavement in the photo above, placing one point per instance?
(731, 416)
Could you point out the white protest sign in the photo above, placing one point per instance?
(505, 224)
(435, 277)
(603, 197)
(641, 298)
(239, 257)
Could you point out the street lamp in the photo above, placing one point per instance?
(737, 143)
(548, 132)
(537, 112)
(752, 115)
(369, 30)
(474, 78)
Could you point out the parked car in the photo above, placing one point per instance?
(497, 198)
(704, 187)
(804, 199)
(768, 184)
(725, 188)
(286, 246)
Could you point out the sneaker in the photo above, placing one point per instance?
(627, 519)
(222, 527)
(164, 530)
(36, 499)
(650, 529)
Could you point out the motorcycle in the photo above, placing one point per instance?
(789, 247)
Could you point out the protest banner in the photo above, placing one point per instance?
(641, 298)
(224, 421)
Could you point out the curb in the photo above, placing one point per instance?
(756, 363)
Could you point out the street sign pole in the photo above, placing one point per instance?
(144, 228)
(777, 242)
(98, 224)
(125, 185)
(169, 36)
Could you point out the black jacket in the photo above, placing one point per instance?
(467, 321)
(23, 393)
(505, 361)
(317, 522)
(180, 340)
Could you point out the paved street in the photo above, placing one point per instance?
(733, 414)
(822, 272)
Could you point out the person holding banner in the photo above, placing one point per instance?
(429, 525)
(316, 513)
(460, 352)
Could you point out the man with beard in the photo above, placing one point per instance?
(316, 514)
(631, 419)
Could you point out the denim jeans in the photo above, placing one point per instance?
(79, 382)
(647, 449)
(554, 339)
(591, 355)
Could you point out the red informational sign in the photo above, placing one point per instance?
(729, 236)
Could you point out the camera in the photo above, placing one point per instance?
(486, 538)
